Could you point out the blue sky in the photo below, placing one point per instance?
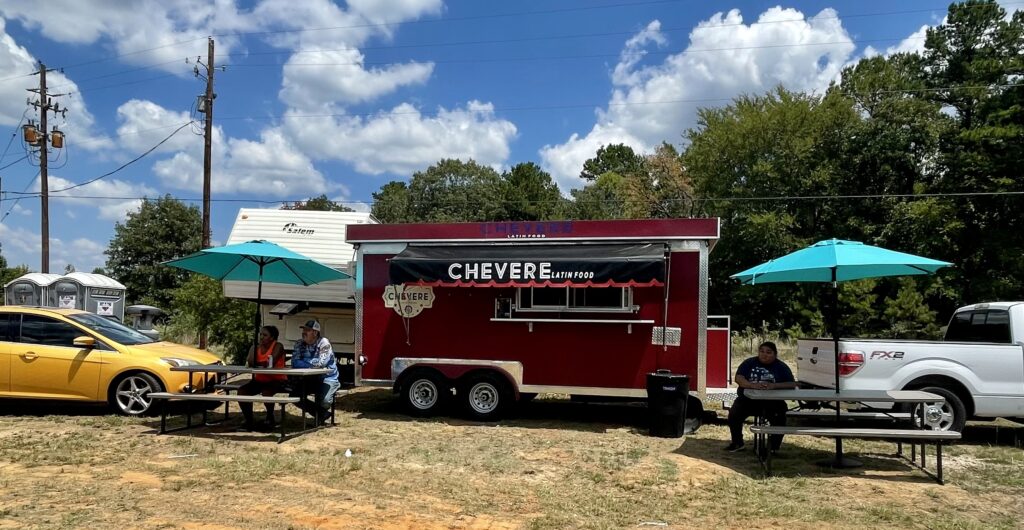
(340, 98)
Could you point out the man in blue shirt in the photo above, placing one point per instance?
(764, 372)
(315, 351)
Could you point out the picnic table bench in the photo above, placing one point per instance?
(899, 436)
(165, 397)
(847, 414)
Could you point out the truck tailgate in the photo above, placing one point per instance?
(815, 362)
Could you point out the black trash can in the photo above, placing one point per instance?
(666, 403)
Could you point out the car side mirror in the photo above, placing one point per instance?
(84, 342)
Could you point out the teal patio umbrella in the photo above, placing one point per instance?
(833, 261)
(258, 261)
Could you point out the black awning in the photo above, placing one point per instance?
(637, 265)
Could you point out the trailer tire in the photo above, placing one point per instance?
(485, 396)
(425, 392)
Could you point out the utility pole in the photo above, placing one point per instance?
(205, 106)
(38, 138)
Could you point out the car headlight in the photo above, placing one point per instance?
(177, 361)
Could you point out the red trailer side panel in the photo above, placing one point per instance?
(459, 326)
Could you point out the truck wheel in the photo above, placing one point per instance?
(948, 416)
(485, 396)
(424, 393)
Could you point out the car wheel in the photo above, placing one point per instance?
(129, 395)
(485, 396)
(948, 416)
(425, 393)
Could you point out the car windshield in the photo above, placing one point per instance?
(112, 330)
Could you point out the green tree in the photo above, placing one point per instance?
(605, 198)
(529, 194)
(776, 145)
(8, 274)
(661, 188)
(319, 203)
(199, 306)
(160, 230)
(454, 191)
(614, 158)
(974, 62)
(391, 203)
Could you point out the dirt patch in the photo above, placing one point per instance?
(142, 479)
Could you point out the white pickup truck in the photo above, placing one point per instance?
(978, 368)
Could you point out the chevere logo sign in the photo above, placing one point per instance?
(408, 300)
(294, 228)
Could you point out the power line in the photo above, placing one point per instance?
(126, 164)
(24, 190)
(503, 15)
(604, 103)
(12, 163)
(540, 202)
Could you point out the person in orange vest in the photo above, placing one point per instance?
(267, 354)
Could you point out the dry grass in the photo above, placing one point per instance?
(557, 465)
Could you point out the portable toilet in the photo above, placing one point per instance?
(94, 293)
(30, 289)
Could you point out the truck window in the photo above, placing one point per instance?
(987, 325)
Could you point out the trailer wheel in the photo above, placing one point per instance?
(425, 392)
(485, 396)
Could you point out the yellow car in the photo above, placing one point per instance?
(68, 354)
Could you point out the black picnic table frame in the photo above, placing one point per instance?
(224, 370)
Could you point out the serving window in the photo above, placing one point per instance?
(581, 299)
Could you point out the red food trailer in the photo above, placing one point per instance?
(485, 314)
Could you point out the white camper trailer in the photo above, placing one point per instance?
(318, 235)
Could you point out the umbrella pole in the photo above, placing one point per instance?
(256, 317)
(840, 461)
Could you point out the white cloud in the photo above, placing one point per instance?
(724, 58)
(15, 60)
(565, 161)
(404, 140)
(121, 196)
(270, 168)
(22, 247)
(144, 124)
(145, 32)
(388, 11)
(912, 44)
(316, 78)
